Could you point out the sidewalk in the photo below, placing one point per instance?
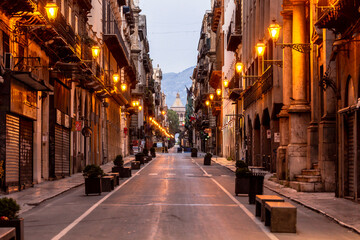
(31, 197)
(345, 212)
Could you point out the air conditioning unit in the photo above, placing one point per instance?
(8, 61)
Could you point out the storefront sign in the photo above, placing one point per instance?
(58, 116)
(277, 137)
(23, 100)
(78, 126)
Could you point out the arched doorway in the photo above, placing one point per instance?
(266, 140)
(256, 142)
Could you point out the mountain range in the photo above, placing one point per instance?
(173, 83)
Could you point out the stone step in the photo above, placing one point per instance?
(306, 178)
(307, 186)
(315, 165)
(311, 172)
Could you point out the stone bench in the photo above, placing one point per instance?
(280, 216)
(7, 233)
(107, 183)
(116, 177)
(260, 204)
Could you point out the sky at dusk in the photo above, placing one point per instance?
(173, 31)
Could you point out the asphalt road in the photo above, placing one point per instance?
(172, 197)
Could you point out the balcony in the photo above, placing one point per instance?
(146, 62)
(340, 17)
(10, 8)
(215, 79)
(234, 35)
(84, 4)
(116, 44)
(260, 87)
(216, 15)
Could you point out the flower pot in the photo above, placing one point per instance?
(92, 186)
(135, 165)
(18, 224)
(242, 185)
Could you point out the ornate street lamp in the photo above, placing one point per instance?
(260, 49)
(123, 87)
(218, 91)
(211, 96)
(116, 77)
(239, 67)
(207, 102)
(51, 11)
(274, 31)
(226, 82)
(95, 51)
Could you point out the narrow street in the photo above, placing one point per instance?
(172, 197)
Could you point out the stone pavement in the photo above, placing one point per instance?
(31, 197)
(343, 211)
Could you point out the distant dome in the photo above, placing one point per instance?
(177, 103)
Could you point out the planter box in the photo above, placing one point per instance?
(179, 150)
(207, 160)
(146, 160)
(140, 159)
(193, 154)
(107, 183)
(153, 154)
(149, 158)
(92, 186)
(18, 224)
(135, 165)
(242, 185)
(256, 187)
(123, 172)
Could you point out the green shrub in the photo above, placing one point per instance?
(139, 154)
(9, 208)
(241, 164)
(229, 158)
(93, 171)
(208, 155)
(119, 161)
(242, 169)
(194, 150)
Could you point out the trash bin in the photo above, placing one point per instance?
(256, 186)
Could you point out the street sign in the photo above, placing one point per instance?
(277, 137)
(78, 125)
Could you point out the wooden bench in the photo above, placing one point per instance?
(107, 183)
(7, 233)
(280, 216)
(260, 204)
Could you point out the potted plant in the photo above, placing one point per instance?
(9, 210)
(147, 158)
(194, 152)
(153, 152)
(140, 157)
(93, 174)
(119, 167)
(135, 165)
(242, 180)
(207, 159)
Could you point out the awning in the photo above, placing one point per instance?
(235, 94)
(31, 80)
(118, 48)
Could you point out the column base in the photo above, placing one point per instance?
(296, 160)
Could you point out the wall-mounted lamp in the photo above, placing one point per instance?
(218, 91)
(226, 83)
(95, 51)
(116, 77)
(211, 96)
(51, 11)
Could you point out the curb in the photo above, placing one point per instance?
(313, 208)
(34, 204)
(303, 204)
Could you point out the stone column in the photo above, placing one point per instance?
(299, 110)
(286, 89)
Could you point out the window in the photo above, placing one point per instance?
(62, 7)
(70, 16)
(76, 27)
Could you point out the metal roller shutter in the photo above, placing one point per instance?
(26, 152)
(12, 151)
(62, 151)
(351, 155)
